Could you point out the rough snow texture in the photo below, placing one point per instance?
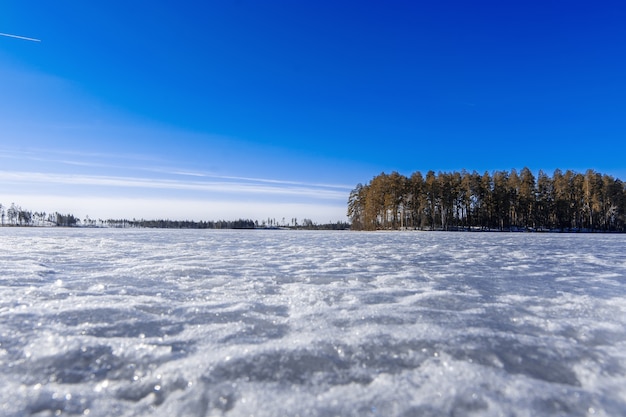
(268, 323)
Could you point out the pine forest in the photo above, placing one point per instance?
(501, 200)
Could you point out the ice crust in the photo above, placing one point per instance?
(105, 322)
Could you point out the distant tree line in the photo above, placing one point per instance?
(501, 200)
(14, 215)
(188, 224)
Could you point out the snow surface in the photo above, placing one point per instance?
(106, 322)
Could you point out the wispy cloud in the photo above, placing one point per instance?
(142, 163)
(241, 187)
(54, 155)
(263, 180)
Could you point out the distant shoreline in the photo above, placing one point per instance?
(16, 216)
(321, 227)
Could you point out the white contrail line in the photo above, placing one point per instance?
(20, 37)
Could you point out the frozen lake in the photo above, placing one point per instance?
(239, 323)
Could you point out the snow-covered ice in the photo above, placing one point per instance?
(104, 322)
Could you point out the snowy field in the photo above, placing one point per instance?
(105, 322)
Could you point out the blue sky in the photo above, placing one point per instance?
(227, 109)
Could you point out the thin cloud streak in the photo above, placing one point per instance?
(225, 187)
(265, 180)
(41, 154)
(36, 156)
(8, 35)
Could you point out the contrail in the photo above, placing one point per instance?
(20, 37)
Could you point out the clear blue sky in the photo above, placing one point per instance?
(256, 109)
